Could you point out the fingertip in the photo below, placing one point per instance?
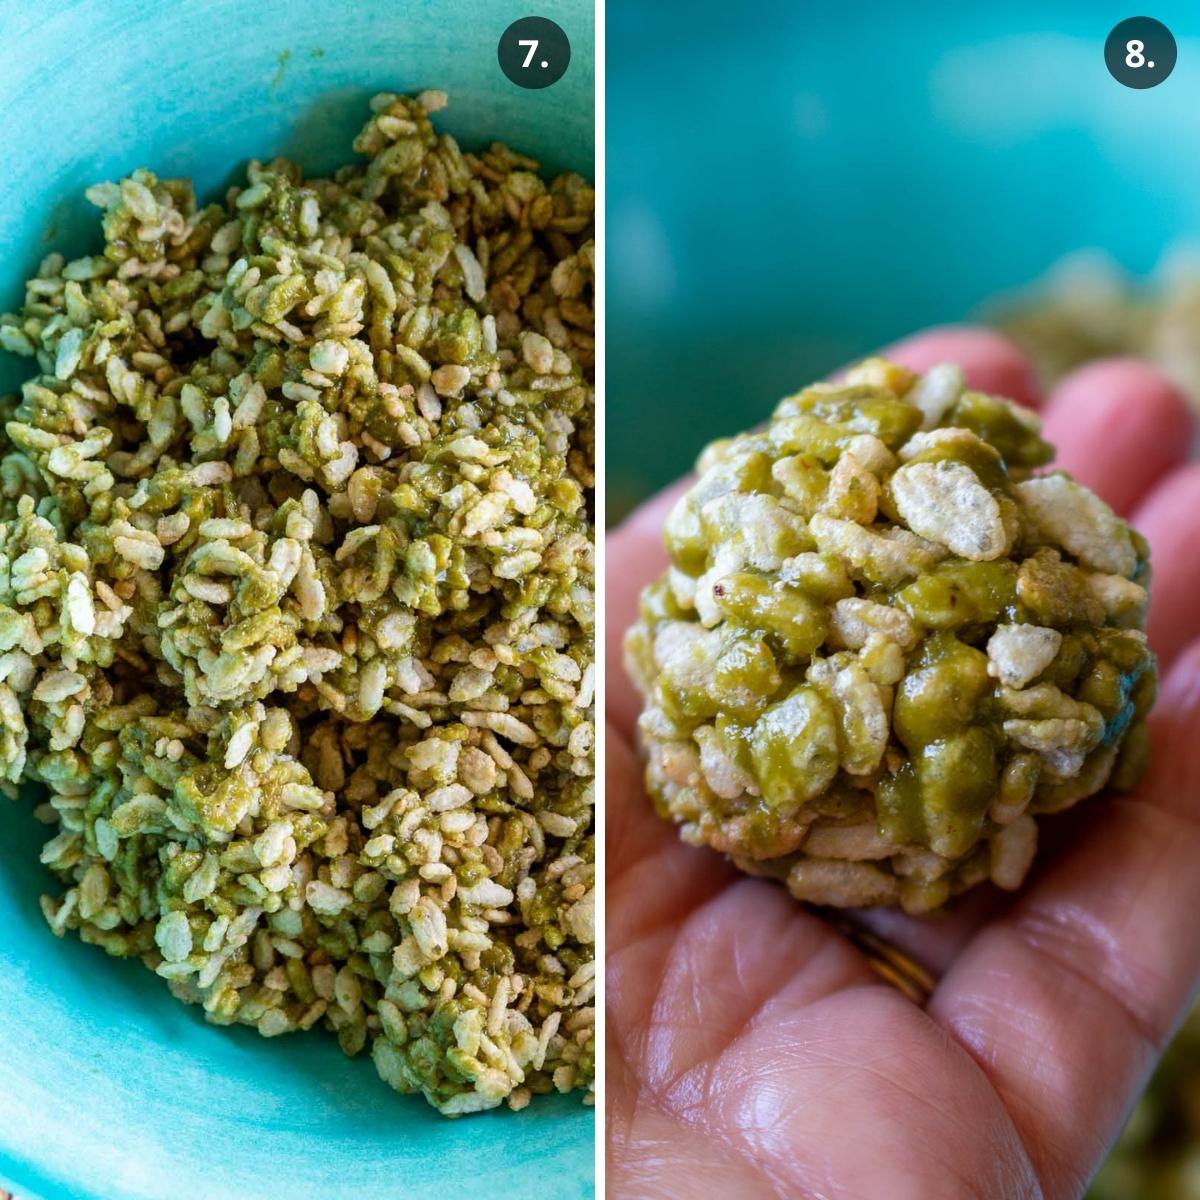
(1178, 706)
(991, 362)
(1170, 520)
(1119, 425)
(1181, 689)
(1172, 779)
(634, 556)
(1133, 376)
(649, 517)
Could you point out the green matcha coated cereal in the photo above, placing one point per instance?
(296, 602)
(888, 642)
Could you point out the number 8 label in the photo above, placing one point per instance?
(1140, 52)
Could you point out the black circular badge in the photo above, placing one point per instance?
(1140, 52)
(534, 52)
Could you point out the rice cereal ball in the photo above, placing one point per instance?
(885, 645)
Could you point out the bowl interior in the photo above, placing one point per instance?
(109, 1088)
(837, 176)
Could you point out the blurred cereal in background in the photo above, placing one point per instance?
(1087, 307)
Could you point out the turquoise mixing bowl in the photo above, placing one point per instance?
(109, 1088)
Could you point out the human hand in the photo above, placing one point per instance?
(752, 1050)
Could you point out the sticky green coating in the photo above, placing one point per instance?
(890, 638)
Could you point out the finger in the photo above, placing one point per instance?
(749, 943)
(635, 556)
(989, 360)
(656, 1156)
(1170, 520)
(1067, 999)
(859, 1094)
(637, 842)
(635, 553)
(697, 926)
(719, 1022)
(1119, 426)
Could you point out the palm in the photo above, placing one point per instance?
(752, 1049)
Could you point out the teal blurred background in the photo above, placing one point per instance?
(791, 185)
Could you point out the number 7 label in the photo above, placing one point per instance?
(533, 53)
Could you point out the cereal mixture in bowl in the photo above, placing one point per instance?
(888, 643)
(296, 602)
